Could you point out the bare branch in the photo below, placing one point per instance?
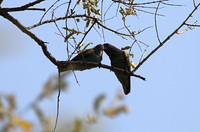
(194, 3)
(144, 3)
(30, 34)
(167, 38)
(192, 25)
(66, 24)
(58, 101)
(75, 16)
(22, 8)
(62, 65)
(187, 29)
(48, 10)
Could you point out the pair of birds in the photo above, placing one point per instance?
(119, 59)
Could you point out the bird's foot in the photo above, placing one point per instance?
(99, 65)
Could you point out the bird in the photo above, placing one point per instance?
(119, 59)
(90, 55)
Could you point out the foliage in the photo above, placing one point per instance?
(12, 120)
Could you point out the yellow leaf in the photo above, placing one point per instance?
(98, 101)
(25, 125)
(132, 64)
(18, 121)
(132, 55)
(12, 102)
(91, 118)
(78, 2)
(114, 111)
(130, 11)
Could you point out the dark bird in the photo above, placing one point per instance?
(119, 59)
(89, 55)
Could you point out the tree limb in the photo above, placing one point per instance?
(63, 64)
(167, 38)
(75, 16)
(22, 8)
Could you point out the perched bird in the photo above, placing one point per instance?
(89, 55)
(119, 59)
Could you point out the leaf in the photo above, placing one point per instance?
(95, 11)
(91, 118)
(114, 111)
(93, 2)
(39, 114)
(122, 11)
(78, 2)
(87, 23)
(77, 125)
(68, 36)
(18, 121)
(85, 47)
(132, 55)
(119, 97)
(131, 2)
(132, 65)
(25, 125)
(1, 110)
(12, 102)
(133, 32)
(130, 11)
(125, 48)
(98, 101)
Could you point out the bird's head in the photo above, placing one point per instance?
(99, 48)
(111, 50)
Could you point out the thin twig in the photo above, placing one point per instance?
(194, 3)
(82, 39)
(58, 100)
(75, 16)
(48, 10)
(144, 3)
(187, 29)
(66, 25)
(155, 22)
(22, 8)
(192, 25)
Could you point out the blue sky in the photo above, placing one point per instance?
(167, 101)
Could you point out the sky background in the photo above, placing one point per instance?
(168, 101)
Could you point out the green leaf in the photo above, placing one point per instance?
(78, 125)
(95, 11)
(122, 11)
(68, 36)
(98, 101)
(88, 23)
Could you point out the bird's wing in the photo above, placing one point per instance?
(83, 55)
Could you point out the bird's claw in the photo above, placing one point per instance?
(99, 65)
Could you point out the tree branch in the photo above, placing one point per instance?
(22, 8)
(63, 64)
(75, 16)
(167, 38)
(30, 34)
